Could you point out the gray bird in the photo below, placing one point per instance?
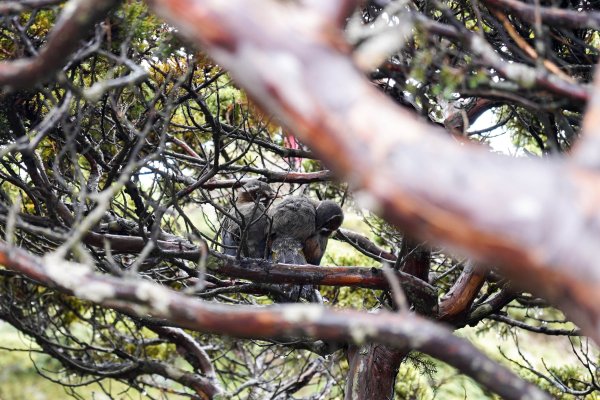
(251, 223)
(328, 218)
(293, 222)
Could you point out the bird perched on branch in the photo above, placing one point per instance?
(328, 218)
(293, 221)
(247, 232)
(299, 233)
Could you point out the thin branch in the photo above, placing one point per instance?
(550, 15)
(75, 22)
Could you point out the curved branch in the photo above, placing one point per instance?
(457, 302)
(190, 349)
(459, 196)
(364, 245)
(142, 298)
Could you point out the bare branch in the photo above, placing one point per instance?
(550, 15)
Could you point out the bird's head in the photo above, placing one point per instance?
(256, 191)
(329, 217)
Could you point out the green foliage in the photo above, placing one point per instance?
(476, 79)
(20, 378)
(410, 384)
(572, 376)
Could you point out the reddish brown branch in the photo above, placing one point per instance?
(372, 278)
(373, 367)
(372, 371)
(457, 302)
(550, 15)
(263, 271)
(143, 298)
(502, 211)
(414, 258)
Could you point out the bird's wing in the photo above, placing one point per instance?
(287, 250)
(313, 252)
(255, 230)
(230, 238)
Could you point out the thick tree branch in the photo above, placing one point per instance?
(255, 270)
(144, 298)
(457, 302)
(373, 367)
(414, 174)
(263, 271)
(372, 371)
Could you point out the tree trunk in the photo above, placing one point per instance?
(374, 367)
(373, 371)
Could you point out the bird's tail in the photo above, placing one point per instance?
(290, 251)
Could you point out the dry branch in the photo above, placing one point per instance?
(549, 15)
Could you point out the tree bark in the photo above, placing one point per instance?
(373, 371)
(373, 367)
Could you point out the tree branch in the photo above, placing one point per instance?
(77, 18)
(143, 298)
(415, 176)
(550, 15)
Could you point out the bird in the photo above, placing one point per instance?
(247, 233)
(293, 222)
(328, 218)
